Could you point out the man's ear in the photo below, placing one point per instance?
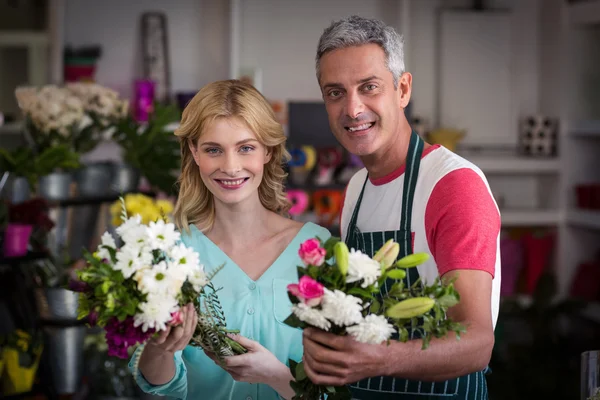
(405, 88)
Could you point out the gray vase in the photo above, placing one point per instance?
(590, 374)
(57, 304)
(94, 179)
(55, 186)
(63, 348)
(15, 189)
(125, 178)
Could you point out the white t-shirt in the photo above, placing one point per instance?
(454, 217)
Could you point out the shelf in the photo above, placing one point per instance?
(86, 201)
(23, 38)
(514, 218)
(515, 165)
(585, 12)
(584, 218)
(12, 128)
(589, 129)
(19, 260)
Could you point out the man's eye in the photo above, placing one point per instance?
(335, 93)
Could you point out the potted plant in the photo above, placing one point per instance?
(48, 169)
(21, 355)
(151, 148)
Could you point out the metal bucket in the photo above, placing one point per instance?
(125, 178)
(94, 179)
(56, 186)
(15, 189)
(590, 375)
(63, 350)
(57, 304)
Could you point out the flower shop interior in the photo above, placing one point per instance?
(69, 151)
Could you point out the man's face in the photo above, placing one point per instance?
(364, 107)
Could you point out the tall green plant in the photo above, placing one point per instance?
(23, 162)
(151, 147)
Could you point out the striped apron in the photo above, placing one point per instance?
(471, 387)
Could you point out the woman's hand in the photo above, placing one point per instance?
(157, 362)
(175, 338)
(258, 365)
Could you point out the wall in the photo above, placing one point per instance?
(197, 38)
(280, 37)
(423, 46)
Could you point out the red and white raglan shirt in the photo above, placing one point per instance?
(455, 218)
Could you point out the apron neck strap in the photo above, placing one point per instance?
(413, 161)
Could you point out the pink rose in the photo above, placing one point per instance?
(176, 318)
(312, 253)
(307, 290)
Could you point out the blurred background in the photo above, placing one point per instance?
(512, 85)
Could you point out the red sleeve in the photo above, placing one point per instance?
(462, 223)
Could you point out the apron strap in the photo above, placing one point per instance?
(413, 161)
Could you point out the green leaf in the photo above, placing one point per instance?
(300, 373)
(366, 294)
(447, 301)
(375, 307)
(294, 322)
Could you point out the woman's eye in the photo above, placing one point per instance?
(246, 149)
(211, 150)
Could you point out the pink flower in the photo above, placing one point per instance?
(307, 290)
(312, 253)
(176, 318)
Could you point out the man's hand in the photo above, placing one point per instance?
(334, 360)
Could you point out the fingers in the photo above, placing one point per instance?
(162, 336)
(187, 328)
(324, 369)
(325, 338)
(320, 379)
(244, 341)
(322, 354)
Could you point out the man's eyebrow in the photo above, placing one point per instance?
(360, 81)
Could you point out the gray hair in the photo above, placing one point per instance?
(357, 31)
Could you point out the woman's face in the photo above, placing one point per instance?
(231, 160)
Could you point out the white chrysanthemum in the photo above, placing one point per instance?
(161, 235)
(158, 280)
(132, 229)
(106, 240)
(185, 256)
(362, 267)
(131, 258)
(155, 312)
(197, 277)
(311, 316)
(341, 309)
(374, 329)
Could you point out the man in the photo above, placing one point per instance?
(426, 198)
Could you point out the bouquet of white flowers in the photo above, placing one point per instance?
(137, 288)
(78, 115)
(339, 291)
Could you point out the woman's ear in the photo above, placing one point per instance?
(268, 155)
(193, 149)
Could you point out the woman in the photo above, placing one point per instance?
(230, 210)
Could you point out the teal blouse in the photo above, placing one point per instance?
(257, 308)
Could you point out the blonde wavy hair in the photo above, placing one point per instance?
(226, 99)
